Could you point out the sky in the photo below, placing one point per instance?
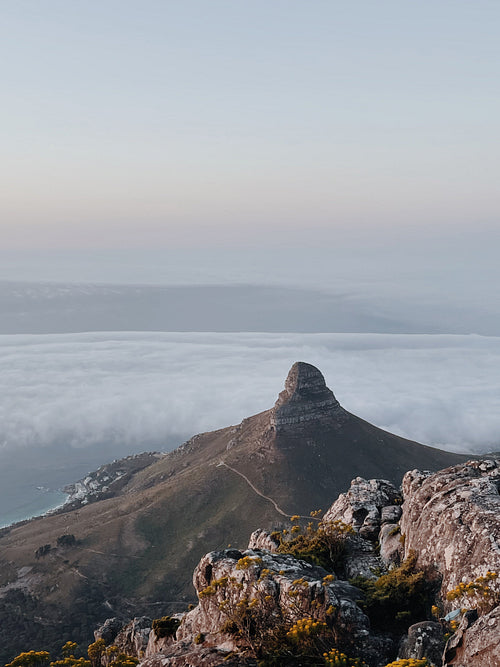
(196, 194)
(228, 124)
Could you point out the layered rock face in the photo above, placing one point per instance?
(305, 397)
(451, 520)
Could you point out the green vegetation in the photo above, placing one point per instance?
(165, 626)
(30, 659)
(483, 592)
(410, 662)
(397, 599)
(323, 543)
(67, 540)
(98, 655)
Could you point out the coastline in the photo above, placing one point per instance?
(47, 502)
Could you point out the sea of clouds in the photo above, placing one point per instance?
(135, 391)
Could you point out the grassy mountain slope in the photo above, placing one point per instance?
(135, 552)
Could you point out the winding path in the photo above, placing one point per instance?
(278, 509)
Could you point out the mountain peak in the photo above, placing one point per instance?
(304, 398)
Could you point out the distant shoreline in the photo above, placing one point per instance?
(59, 498)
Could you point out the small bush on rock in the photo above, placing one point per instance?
(322, 544)
(397, 599)
(410, 662)
(483, 592)
(165, 626)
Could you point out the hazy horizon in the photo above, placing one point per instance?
(195, 195)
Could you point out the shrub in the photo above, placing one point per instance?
(165, 626)
(334, 658)
(483, 591)
(66, 541)
(410, 662)
(397, 599)
(322, 544)
(30, 659)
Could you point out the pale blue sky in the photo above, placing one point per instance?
(223, 122)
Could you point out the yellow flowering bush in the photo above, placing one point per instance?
(482, 590)
(410, 662)
(305, 628)
(335, 658)
(30, 659)
(248, 561)
(397, 599)
(321, 542)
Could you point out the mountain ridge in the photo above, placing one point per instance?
(138, 548)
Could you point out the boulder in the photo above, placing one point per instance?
(391, 547)
(278, 588)
(361, 507)
(108, 630)
(424, 640)
(133, 638)
(451, 520)
(261, 539)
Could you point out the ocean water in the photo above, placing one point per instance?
(30, 503)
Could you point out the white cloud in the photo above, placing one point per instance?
(134, 390)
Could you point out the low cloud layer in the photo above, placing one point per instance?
(136, 391)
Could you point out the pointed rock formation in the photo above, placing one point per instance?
(305, 397)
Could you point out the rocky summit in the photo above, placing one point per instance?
(305, 397)
(130, 544)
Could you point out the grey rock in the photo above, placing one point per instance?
(362, 505)
(391, 548)
(108, 630)
(390, 514)
(361, 559)
(451, 520)
(305, 397)
(133, 638)
(424, 640)
(261, 539)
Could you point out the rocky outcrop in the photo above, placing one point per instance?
(424, 640)
(372, 508)
(108, 630)
(133, 638)
(476, 642)
(261, 539)
(367, 505)
(286, 587)
(305, 397)
(451, 520)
